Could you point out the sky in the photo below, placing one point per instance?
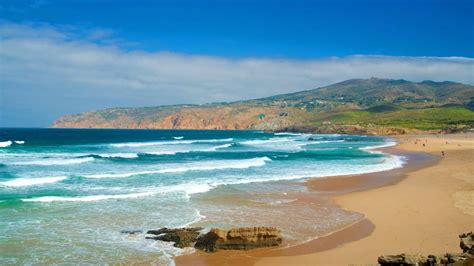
(71, 56)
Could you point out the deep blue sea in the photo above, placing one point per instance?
(66, 194)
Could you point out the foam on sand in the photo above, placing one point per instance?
(30, 181)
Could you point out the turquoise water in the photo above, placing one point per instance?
(65, 194)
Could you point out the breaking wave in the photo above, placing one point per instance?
(30, 181)
(125, 155)
(205, 166)
(89, 198)
(174, 142)
(4, 144)
(55, 161)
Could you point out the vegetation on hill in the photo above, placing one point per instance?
(365, 103)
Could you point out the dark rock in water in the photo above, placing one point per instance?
(131, 232)
(239, 239)
(182, 237)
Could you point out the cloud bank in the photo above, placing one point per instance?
(48, 71)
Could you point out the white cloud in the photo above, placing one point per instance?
(47, 71)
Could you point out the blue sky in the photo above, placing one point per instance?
(296, 29)
(83, 55)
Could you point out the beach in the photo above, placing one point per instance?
(421, 208)
(337, 199)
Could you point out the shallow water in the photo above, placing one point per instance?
(65, 194)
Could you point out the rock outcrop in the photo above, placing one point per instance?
(467, 243)
(239, 239)
(182, 237)
(406, 259)
(215, 239)
(465, 258)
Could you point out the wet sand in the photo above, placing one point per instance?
(420, 208)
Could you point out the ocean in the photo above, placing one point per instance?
(67, 195)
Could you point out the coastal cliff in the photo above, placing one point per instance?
(366, 106)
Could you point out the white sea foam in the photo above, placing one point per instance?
(212, 140)
(145, 144)
(388, 162)
(271, 201)
(19, 142)
(189, 188)
(119, 175)
(173, 142)
(286, 140)
(4, 144)
(223, 146)
(288, 134)
(31, 181)
(196, 149)
(277, 143)
(55, 161)
(266, 141)
(202, 166)
(118, 155)
(385, 145)
(181, 137)
(198, 218)
(89, 198)
(166, 152)
(216, 165)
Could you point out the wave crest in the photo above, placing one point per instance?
(173, 142)
(4, 144)
(207, 166)
(56, 161)
(116, 155)
(89, 198)
(27, 181)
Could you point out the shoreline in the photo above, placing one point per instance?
(341, 189)
(423, 219)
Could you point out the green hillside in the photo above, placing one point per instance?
(365, 103)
